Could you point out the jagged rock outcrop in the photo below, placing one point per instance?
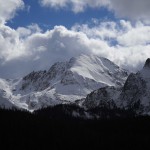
(103, 98)
(133, 96)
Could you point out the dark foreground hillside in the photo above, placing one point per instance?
(23, 130)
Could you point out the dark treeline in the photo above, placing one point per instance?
(55, 129)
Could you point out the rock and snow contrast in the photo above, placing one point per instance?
(64, 82)
(134, 95)
(89, 81)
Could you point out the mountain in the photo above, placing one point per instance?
(5, 96)
(133, 96)
(64, 82)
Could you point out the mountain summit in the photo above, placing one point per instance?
(147, 63)
(64, 82)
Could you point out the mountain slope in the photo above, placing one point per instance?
(134, 95)
(136, 91)
(65, 82)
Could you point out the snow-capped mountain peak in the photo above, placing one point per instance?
(66, 82)
(97, 68)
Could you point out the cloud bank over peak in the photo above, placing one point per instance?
(25, 49)
(29, 48)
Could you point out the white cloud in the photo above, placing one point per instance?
(103, 30)
(26, 49)
(29, 48)
(139, 35)
(8, 9)
(132, 9)
(9, 43)
(75, 5)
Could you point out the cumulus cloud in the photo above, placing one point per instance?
(127, 44)
(133, 9)
(8, 9)
(75, 5)
(29, 48)
(24, 50)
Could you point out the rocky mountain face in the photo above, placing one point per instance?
(64, 82)
(90, 82)
(103, 98)
(134, 95)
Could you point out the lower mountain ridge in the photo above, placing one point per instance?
(133, 96)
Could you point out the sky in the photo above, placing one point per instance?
(34, 34)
